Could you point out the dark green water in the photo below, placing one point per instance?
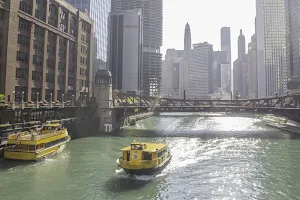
(214, 157)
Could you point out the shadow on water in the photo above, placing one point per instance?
(123, 184)
(10, 164)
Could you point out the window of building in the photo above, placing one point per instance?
(61, 66)
(38, 45)
(51, 50)
(22, 57)
(23, 40)
(52, 21)
(71, 69)
(50, 63)
(21, 73)
(36, 76)
(71, 58)
(25, 8)
(62, 53)
(52, 9)
(61, 79)
(49, 78)
(71, 47)
(71, 81)
(40, 2)
(37, 60)
(39, 31)
(62, 42)
(40, 15)
(51, 37)
(24, 24)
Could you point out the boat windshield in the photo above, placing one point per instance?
(136, 147)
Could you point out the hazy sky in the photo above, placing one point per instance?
(206, 17)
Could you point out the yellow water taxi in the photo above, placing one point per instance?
(35, 145)
(144, 158)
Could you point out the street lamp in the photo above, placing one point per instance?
(37, 97)
(141, 91)
(62, 98)
(50, 97)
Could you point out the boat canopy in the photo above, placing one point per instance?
(146, 147)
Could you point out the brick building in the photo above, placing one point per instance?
(46, 49)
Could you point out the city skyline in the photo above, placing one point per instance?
(202, 30)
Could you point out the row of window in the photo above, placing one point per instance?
(83, 72)
(84, 49)
(83, 60)
(25, 7)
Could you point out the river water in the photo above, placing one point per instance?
(215, 156)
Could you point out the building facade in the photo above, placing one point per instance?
(252, 69)
(196, 71)
(171, 74)
(152, 13)
(241, 45)
(271, 47)
(49, 51)
(98, 11)
(187, 38)
(226, 42)
(225, 77)
(125, 49)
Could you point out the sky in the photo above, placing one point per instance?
(206, 17)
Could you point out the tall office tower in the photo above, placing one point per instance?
(98, 11)
(187, 38)
(271, 47)
(46, 51)
(292, 11)
(226, 42)
(241, 45)
(252, 68)
(219, 57)
(152, 14)
(171, 74)
(125, 49)
(197, 71)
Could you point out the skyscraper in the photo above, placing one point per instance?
(226, 42)
(252, 68)
(124, 49)
(293, 36)
(241, 45)
(152, 13)
(271, 50)
(187, 38)
(98, 11)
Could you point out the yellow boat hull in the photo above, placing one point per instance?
(143, 168)
(36, 156)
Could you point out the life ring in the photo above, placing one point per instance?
(135, 156)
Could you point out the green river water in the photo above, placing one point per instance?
(215, 156)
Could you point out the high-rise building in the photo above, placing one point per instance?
(195, 72)
(219, 57)
(187, 38)
(271, 47)
(226, 42)
(241, 45)
(98, 11)
(225, 77)
(125, 49)
(240, 68)
(171, 74)
(252, 69)
(46, 51)
(152, 14)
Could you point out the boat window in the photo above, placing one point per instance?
(161, 153)
(128, 155)
(136, 147)
(147, 156)
(31, 147)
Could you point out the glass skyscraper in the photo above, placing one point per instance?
(98, 10)
(271, 47)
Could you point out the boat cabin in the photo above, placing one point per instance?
(138, 152)
(49, 128)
